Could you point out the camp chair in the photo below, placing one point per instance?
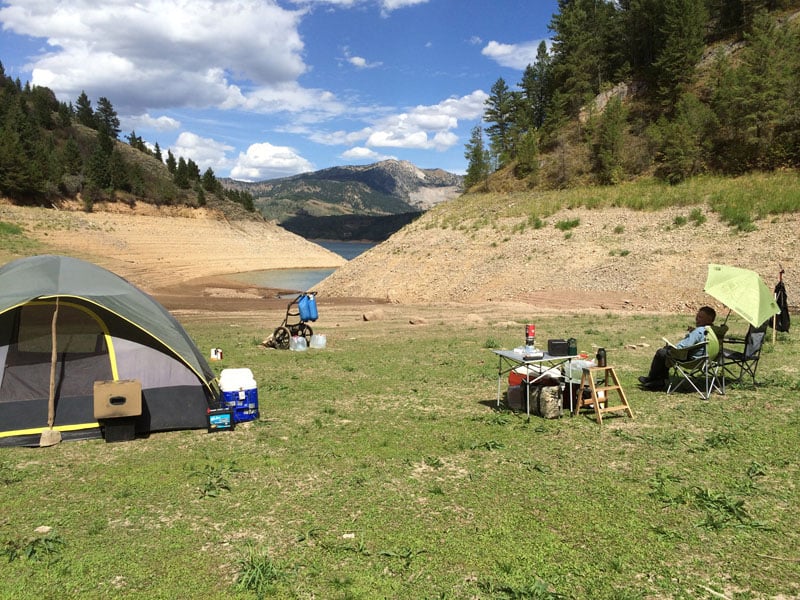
(744, 360)
(703, 373)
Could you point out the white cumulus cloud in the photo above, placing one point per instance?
(265, 161)
(159, 53)
(162, 123)
(205, 152)
(514, 56)
(360, 153)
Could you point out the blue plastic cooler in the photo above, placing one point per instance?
(239, 393)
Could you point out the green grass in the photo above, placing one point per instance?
(382, 468)
(739, 201)
(14, 242)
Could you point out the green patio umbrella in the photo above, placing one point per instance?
(742, 291)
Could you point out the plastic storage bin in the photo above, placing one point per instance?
(239, 393)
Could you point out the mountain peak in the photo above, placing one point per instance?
(388, 187)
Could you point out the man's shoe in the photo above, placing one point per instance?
(655, 385)
(644, 380)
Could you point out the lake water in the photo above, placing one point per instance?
(303, 279)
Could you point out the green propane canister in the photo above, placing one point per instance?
(572, 347)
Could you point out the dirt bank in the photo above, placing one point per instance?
(613, 260)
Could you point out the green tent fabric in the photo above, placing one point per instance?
(140, 339)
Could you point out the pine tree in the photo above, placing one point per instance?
(106, 117)
(528, 156)
(71, 157)
(477, 159)
(209, 181)
(181, 176)
(172, 164)
(83, 111)
(686, 140)
(609, 147)
(585, 49)
(683, 31)
(157, 153)
(118, 172)
(535, 87)
(499, 114)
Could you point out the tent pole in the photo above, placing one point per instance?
(50, 436)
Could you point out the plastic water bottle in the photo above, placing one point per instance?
(298, 343)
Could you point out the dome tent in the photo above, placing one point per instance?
(107, 329)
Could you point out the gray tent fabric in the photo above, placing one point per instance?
(107, 329)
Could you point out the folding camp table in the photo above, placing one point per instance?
(509, 360)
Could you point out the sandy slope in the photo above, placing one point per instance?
(616, 259)
(158, 248)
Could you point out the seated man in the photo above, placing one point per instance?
(659, 372)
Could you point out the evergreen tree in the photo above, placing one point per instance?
(64, 115)
(477, 159)
(585, 56)
(192, 170)
(209, 181)
(610, 142)
(71, 157)
(683, 32)
(106, 117)
(536, 93)
(642, 27)
(157, 153)
(686, 140)
(98, 170)
(181, 177)
(499, 114)
(84, 112)
(528, 156)
(118, 172)
(756, 102)
(172, 164)
(44, 105)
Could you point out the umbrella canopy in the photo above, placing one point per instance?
(743, 292)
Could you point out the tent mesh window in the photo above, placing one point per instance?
(81, 352)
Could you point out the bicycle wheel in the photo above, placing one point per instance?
(281, 338)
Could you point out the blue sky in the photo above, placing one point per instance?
(258, 89)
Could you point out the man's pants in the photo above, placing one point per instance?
(658, 367)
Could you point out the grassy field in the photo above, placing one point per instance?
(381, 468)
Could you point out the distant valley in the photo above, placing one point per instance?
(368, 202)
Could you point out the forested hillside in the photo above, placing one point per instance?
(671, 88)
(51, 150)
(629, 88)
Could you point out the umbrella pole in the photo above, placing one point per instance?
(775, 317)
(51, 437)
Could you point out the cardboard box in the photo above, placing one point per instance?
(114, 399)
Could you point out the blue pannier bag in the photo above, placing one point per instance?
(307, 305)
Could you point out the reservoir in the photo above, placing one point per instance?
(303, 279)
